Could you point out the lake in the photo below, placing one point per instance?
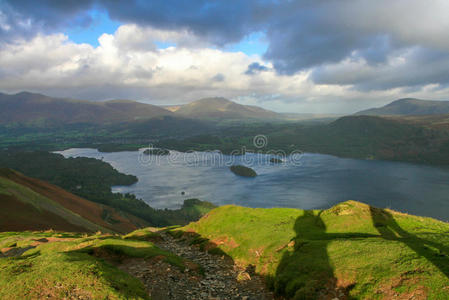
(309, 181)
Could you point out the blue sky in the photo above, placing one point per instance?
(90, 34)
(253, 43)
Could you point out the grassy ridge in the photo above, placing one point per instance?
(351, 249)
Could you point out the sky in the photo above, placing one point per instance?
(304, 56)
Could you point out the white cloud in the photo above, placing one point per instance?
(127, 64)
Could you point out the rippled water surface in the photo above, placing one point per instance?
(313, 181)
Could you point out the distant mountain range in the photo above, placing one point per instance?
(37, 109)
(40, 110)
(32, 204)
(409, 107)
(221, 108)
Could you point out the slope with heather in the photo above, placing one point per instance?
(92, 179)
(31, 204)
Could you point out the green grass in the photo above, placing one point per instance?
(144, 234)
(364, 251)
(82, 266)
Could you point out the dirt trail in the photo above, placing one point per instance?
(220, 279)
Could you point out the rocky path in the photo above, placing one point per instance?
(207, 277)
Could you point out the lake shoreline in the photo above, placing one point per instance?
(315, 181)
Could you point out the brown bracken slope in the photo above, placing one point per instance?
(18, 214)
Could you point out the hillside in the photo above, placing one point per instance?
(373, 137)
(413, 139)
(29, 108)
(221, 108)
(92, 179)
(52, 265)
(350, 251)
(409, 107)
(31, 204)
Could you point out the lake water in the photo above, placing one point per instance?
(309, 181)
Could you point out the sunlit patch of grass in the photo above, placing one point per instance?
(79, 267)
(145, 234)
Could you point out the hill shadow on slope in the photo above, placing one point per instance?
(389, 229)
(306, 272)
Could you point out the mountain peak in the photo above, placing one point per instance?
(405, 100)
(216, 100)
(222, 108)
(409, 107)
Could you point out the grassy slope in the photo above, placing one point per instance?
(360, 250)
(38, 208)
(73, 266)
(48, 206)
(86, 177)
(353, 248)
(92, 179)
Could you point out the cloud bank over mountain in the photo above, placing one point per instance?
(327, 55)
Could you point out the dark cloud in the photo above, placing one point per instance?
(306, 35)
(255, 68)
(24, 19)
(221, 22)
